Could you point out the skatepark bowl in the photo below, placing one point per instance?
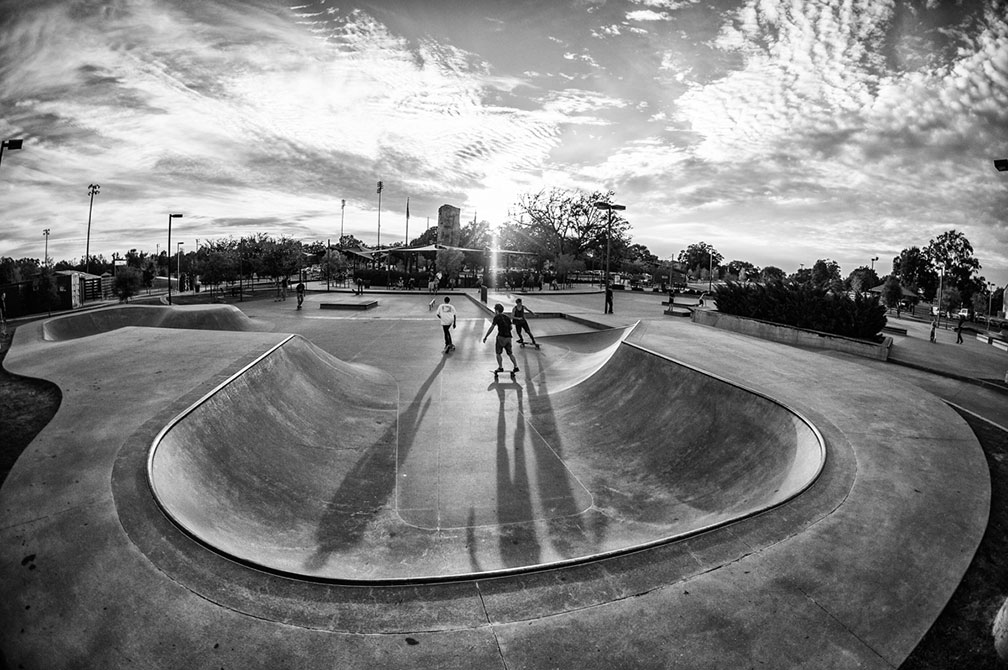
(306, 465)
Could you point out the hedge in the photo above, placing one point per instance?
(804, 306)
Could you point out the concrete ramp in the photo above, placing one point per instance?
(195, 317)
(311, 466)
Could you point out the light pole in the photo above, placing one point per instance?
(379, 214)
(92, 192)
(45, 231)
(990, 301)
(610, 207)
(13, 145)
(168, 251)
(873, 263)
(710, 271)
(178, 263)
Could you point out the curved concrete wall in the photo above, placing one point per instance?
(291, 465)
(196, 317)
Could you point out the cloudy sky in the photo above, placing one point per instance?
(781, 131)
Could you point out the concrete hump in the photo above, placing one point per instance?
(195, 317)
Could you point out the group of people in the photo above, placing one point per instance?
(958, 328)
(448, 317)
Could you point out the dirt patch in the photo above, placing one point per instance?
(26, 406)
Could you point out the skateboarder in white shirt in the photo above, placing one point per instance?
(446, 314)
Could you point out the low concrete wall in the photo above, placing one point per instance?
(798, 337)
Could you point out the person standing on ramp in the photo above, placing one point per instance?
(521, 323)
(447, 315)
(503, 343)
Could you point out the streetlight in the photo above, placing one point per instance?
(342, 211)
(990, 300)
(178, 270)
(45, 231)
(92, 192)
(168, 251)
(710, 271)
(13, 145)
(873, 263)
(610, 207)
(379, 214)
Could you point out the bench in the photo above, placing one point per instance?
(359, 305)
(896, 330)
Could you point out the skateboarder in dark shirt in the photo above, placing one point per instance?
(503, 343)
(520, 323)
(300, 293)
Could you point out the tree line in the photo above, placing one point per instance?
(564, 231)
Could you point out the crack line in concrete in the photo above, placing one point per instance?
(493, 630)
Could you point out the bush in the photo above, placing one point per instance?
(804, 306)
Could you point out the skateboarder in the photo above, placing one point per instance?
(608, 299)
(446, 314)
(300, 293)
(520, 323)
(503, 343)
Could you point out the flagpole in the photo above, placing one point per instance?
(406, 241)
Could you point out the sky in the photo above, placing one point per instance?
(780, 131)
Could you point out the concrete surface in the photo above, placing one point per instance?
(552, 466)
(850, 573)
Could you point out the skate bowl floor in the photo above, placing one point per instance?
(307, 465)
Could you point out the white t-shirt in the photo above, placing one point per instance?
(446, 312)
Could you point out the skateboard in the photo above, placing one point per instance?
(531, 344)
(497, 373)
(450, 348)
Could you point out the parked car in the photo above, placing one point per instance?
(963, 313)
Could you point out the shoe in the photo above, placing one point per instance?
(521, 341)
(514, 371)
(499, 370)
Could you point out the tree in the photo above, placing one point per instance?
(862, 279)
(558, 221)
(772, 273)
(742, 270)
(127, 282)
(892, 291)
(953, 254)
(698, 258)
(351, 242)
(449, 261)
(826, 274)
(281, 258)
(916, 272)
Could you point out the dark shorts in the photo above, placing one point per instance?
(502, 344)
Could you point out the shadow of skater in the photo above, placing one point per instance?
(517, 540)
(575, 527)
(367, 488)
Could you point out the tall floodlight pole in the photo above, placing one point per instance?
(990, 301)
(379, 214)
(13, 145)
(168, 252)
(710, 270)
(92, 192)
(342, 211)
(45, 231)
(610, 207)
(873, 263)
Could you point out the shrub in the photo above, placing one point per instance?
(804, 306)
